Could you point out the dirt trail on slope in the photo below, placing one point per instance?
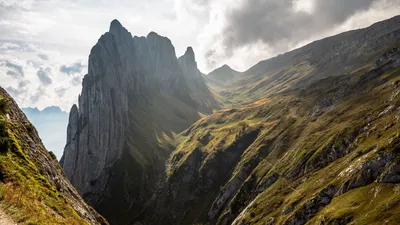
(5, 219)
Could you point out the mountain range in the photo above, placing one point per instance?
(295, 133)
(307, 137)
(51, 123)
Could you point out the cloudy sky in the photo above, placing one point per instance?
(44, 44)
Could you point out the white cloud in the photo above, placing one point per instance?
(9, 46)
(37, 82)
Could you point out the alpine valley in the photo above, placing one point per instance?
(311, 136)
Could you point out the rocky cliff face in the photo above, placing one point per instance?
(136, 95)
(33, 187)
(194, 78)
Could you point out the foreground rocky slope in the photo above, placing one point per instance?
(135, 97)
(33, 188)
(327, 153)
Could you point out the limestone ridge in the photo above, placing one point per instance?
(136, 93)
(196, 83)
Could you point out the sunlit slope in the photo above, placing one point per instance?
(327, 153)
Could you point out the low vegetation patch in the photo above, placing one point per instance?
(25, 194)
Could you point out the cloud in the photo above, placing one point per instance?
(35, 63)
(61, 92)
(17, 70)
(13, 74)
(44, 76)
(278, 22)
(76, 81)
(71, 69)
(40, 92)
(43, 56)
(242, 32)
(17, 4)
(9, 46)
(21, 89)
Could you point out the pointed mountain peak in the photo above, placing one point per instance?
(188, 59)
(161, 44)
(152, 34)
(117, 29)
(158, 39)
(226, 67)
(154, 37)
(74, 109)
(223, 73)
(189, 51)
(189, 54)
(115, 26)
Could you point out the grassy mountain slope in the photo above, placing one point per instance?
(220, 82)
(33, 189)
(327, 153)
(331, 56)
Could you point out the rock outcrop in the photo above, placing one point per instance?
(136, 95)
(194, 78)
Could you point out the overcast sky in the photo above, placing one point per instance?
(44, 44)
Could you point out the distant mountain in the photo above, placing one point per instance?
(51, 124)
(220, 82)
(33, 187)
(223, 75)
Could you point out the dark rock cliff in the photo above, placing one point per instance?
(136, 95)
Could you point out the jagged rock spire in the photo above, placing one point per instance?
(189, 54)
